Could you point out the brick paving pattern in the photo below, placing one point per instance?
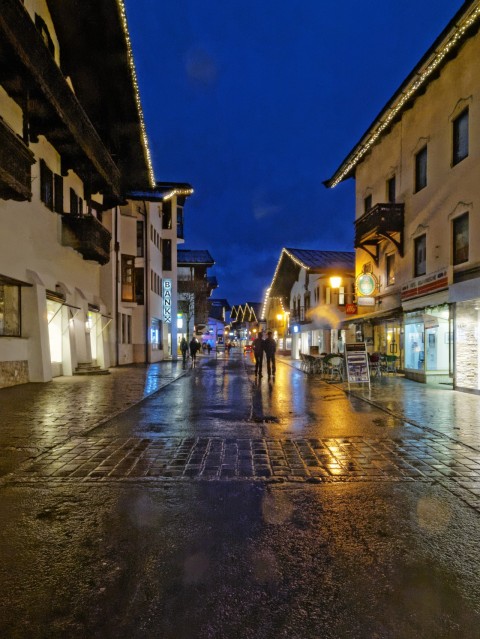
(455, 466)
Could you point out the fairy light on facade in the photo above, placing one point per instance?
(438, 57)
(123, 14)
(177, 192)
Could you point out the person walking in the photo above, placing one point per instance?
(184, 351)
(258, 353)
(194, 348)
(270, 347)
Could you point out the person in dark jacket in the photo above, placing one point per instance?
(258, 353)
(184, 349)
(194, 348)
(270, 347)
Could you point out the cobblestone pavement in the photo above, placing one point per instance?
(49, 433)
(450, 464)
(35, 417)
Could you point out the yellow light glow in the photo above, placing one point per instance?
(279, 316)
(335, 281)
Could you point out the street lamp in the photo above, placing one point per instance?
(335, 281)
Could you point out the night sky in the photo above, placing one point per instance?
(256, 102)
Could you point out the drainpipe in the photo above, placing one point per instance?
(146, 277)
(117, 250)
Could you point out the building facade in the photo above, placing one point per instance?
(60, 186)
(417, 228)
(309, 297)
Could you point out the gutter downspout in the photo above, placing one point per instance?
(117, 250)
(147, 279)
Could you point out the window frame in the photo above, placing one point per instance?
(459, 151)
(416, 243)
(465, 248)
(421, 169)
(128, 278)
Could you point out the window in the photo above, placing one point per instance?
(167, 255)
(58, 193)
(128, 278)
(421, 169)
(460, 239)
(73, 203)
(460, 137)
(139, 238)
(46, 185)
(391, 189)
(367, 204)
(420, 255)
(341, 296)
(140, 286)
(180, 233)
(9, 310)
(156, 334)
(390, 264)
(167, 215)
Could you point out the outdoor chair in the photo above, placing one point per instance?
(335, 365)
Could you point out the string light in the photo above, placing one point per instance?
(123, 14)
(416, 84)
(170, 194)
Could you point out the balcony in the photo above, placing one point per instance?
(381, 222)
(85, 234)
(32, 78)
(16, 160)
(297, 315)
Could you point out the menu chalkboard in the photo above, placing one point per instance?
(356, 363)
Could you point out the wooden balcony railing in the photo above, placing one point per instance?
(16, 160)
(88, 236)
(381, 222)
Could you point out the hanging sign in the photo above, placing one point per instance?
(367, 284)
(167, 300)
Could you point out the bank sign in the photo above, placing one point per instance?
(167, 300)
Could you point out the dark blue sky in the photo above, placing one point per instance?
(256, 102)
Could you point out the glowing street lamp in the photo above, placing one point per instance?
(335, 281)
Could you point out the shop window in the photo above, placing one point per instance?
(9, 310)
(460, 239)
(391, 189)
(420, 248)
(460, 137)
(128, 278)
(390, 267)
(414, 346)
(156, 334)
(421, 169)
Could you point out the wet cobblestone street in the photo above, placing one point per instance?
(205, 504)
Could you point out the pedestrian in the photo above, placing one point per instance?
(258, 353)
(270, 347)
(194, 348)
(184, 350)
(209, 348)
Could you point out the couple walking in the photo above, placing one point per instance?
(267, 346)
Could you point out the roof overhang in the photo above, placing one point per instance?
(463, 25)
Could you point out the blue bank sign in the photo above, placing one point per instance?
(167, 300)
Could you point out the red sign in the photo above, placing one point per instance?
(350, 309)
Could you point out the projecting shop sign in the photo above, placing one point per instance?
(167, 300)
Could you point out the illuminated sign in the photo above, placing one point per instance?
(167, 300)
(366, 284)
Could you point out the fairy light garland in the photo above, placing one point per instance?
(267, 294)
(123, 14)
(458, 34)
(174, 192)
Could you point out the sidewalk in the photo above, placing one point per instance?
(432, 407)
(36, 417)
